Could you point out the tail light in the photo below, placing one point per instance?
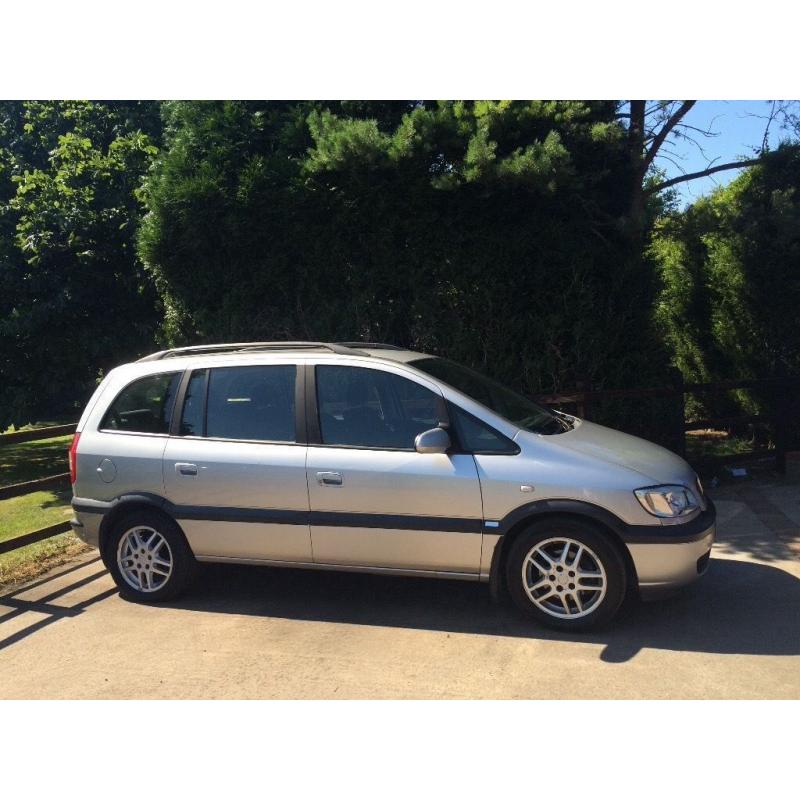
(73, 458)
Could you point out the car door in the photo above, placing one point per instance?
(374, 500)
(234, 469)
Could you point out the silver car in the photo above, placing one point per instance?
(361, 456)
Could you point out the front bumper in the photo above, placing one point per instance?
(673, 556)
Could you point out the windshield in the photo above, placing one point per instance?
(503, 401)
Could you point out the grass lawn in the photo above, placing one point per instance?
(704, 444)
(27, 461)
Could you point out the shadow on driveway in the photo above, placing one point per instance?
(737, 608)
(49, 605)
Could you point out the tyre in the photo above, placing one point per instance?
(148, 557)
(566, 574)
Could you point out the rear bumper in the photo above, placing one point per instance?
(86, 526)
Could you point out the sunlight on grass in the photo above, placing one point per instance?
(27, 461)
(19, 515)
(29, 562)
(702, 445)
(30, 512)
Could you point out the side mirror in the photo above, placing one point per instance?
(436, 440)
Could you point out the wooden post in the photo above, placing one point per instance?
(781, 408)
(584, 386)
(679, 418)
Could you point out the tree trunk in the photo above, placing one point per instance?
(636, 135)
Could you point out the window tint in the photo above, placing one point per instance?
(144, 406)
(193, 405)
(360, 407)
(251, 403)
(478, 437)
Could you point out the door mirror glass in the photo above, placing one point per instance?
(436, 440)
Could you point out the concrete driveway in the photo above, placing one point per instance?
(269, 633)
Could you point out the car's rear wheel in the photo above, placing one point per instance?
(566, 574)
(148, 557)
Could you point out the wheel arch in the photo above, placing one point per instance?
(127, 504)
(518, 520)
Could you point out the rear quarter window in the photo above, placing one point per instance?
(143, 406)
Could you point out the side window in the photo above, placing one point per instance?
(143, 406)
(253, 403)
(478, 437)
(361, 407)
(417, 404)
(194, 402)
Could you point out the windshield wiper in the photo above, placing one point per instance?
(563, 419)
(560, 425)
(534, 424)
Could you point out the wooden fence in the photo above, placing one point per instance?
(28, 487)
(783, 393)
(584, 401)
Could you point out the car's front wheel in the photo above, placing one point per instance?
(148, 557)
(566, 574)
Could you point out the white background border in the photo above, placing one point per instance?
(704, 49)
(385, 750)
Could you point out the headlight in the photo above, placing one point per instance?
(667, 501)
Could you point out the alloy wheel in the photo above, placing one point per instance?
(564, 578)
(144, 558)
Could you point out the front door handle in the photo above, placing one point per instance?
(186, 469)
(329, 478)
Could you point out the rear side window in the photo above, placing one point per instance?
(144, 406)
(252, 403)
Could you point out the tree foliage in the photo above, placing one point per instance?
(730, 276)
(730, 271)
(74, 299)
(489, 231)
(533, 240)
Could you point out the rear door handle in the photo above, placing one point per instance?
(329, 478)
(186, 469)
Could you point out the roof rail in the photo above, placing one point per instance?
(243, 347)
(371, 345)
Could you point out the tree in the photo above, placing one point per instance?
(512, 236)
(652, 126)
(729, 268)
(485, 230)
(74, 299)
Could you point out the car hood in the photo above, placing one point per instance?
(652, 461)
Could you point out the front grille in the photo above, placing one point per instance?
(702, 563)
